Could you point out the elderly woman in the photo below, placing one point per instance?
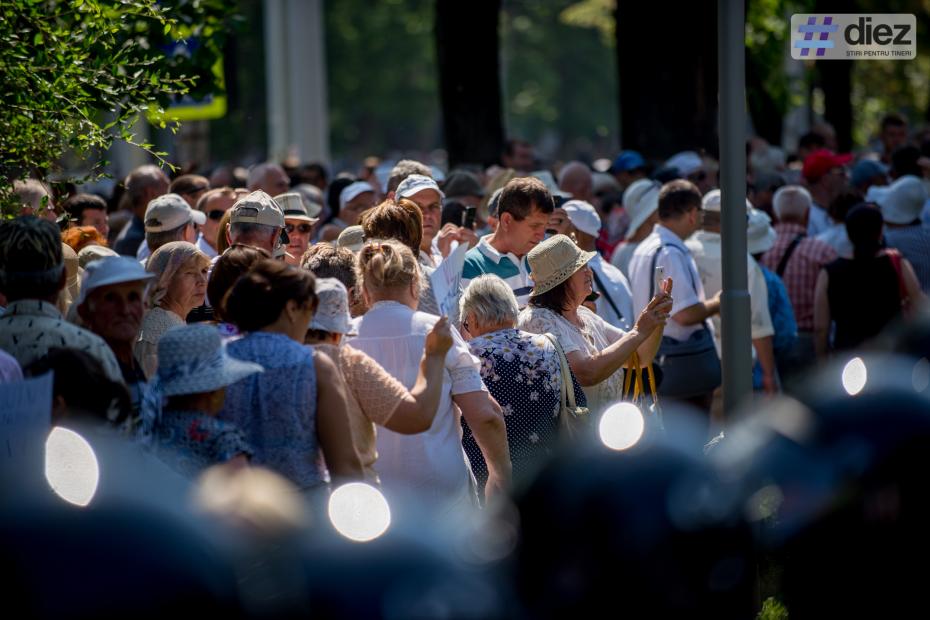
(521, 370)
(373, 395)
(294, 413)
(595, 349)
(180, 285)
(429, 465)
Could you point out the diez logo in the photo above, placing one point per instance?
(834, 37)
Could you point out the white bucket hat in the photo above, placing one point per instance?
(760, 236)
(640, 200)
(903, 201)
(332, 311)
(711, 201)
(555, 260)
(192, 359)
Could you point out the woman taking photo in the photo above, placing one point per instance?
(595, 349)
(293, 414)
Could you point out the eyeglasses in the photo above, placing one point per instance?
(215, 214)
(301, 228)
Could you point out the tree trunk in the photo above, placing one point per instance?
(667, 63)
(835, 78)
(467, 50)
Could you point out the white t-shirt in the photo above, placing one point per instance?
(679, 265)
(837, 238)
(707, 253)
(596, 336)
(618, 288)
(431, 465)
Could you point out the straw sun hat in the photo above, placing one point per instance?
(554, 261)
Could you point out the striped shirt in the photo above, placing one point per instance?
(914, 244)
(801, 272)
(513, 270)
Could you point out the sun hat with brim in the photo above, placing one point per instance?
(554, 261)
(760, 236)
(332, 312)
(711, 201)
(294, 208)
(111, 270)
(192, 360)
(640, 200)
(903, 201)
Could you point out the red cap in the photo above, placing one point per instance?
(822, 161)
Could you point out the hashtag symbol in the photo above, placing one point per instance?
(809, 30)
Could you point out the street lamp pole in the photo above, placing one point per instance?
(737, 339)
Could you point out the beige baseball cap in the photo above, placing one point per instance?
(257, 208)
(170, 211)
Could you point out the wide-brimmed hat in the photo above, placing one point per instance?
(111, 270)
(192, 360)
(332, 311)
(555, 260)
(903, 201)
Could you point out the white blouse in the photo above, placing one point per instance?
(431, 465)
(596, 335)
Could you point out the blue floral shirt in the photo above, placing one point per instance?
(192, 441)
(276, 409)
(521, 370)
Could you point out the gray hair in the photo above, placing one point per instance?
(403, 169)
(791, 202)
(157, 239)
(240, 231)
(258, 172)
(490, 300)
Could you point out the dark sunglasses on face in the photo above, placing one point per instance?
(215, 214)
(301, 228)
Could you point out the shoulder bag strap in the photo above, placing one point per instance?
(783, 263)
(568, 388)
(895, 257)
(600, 285)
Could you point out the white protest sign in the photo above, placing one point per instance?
(25, 420)
(445, 280)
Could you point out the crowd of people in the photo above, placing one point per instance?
(288, 320)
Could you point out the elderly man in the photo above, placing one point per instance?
(35, 198)
(354, 199)
(641, 202)
(825, 175)
(111, 305)
(403, 169)
(437, 240)
(615, 303)
(257, 220)
(169, 218)
(707, 252)
(797, 259)
(523, 211)
(575, 178)
(298, 224)
(268, 177)
(143, 185)
(214, 203)
(901, 205)
(33, 274)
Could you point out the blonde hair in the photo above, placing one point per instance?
(386, 264)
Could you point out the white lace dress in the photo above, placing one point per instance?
(596, 335)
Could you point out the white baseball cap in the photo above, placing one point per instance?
(332, 311)
(640, 200)
(686, 162)
(711, 201)
(170, 211)
(111, 270)
(583, 216)
(350, 192)
(416, 183)
(903, 201)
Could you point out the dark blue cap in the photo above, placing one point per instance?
(628, 160)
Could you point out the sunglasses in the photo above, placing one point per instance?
(215, 214)
(301, 228)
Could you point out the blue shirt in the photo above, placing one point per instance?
(783, 322)
(276, 409)
(510, 268)
(192, 441)
(914, 244)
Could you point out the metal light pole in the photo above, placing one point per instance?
(737, 339)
